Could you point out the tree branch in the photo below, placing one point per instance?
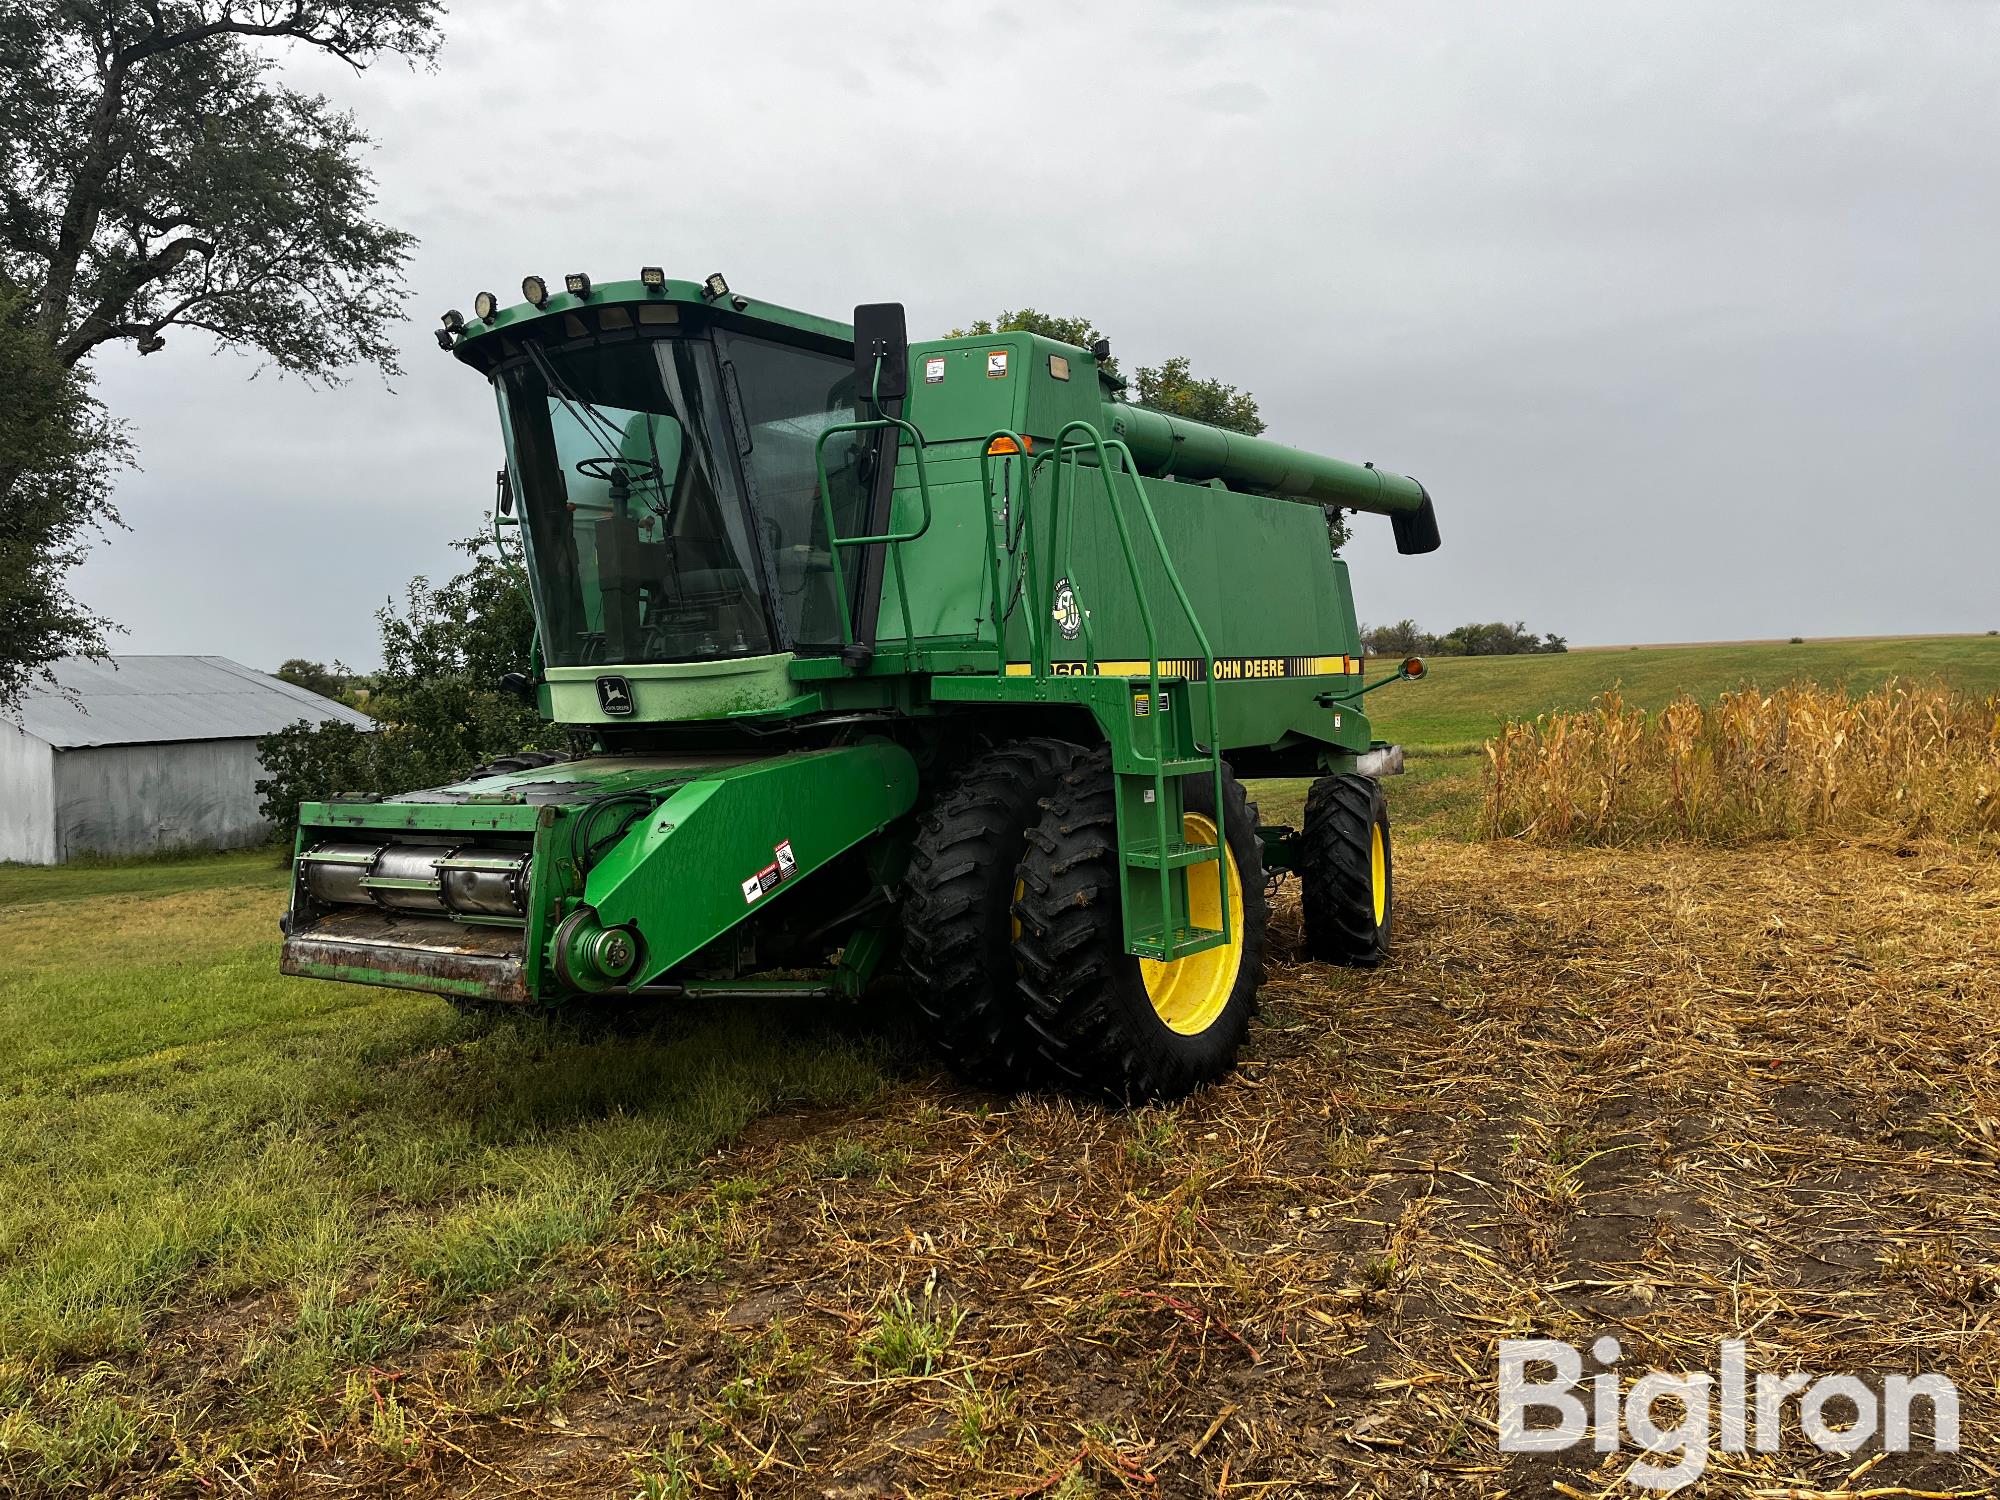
(92, 331)
(337, 31)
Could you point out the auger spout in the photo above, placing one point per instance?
(1166, 445)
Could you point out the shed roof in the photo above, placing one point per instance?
(130, 700)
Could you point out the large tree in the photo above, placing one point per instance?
(58, 451)
(160, 175)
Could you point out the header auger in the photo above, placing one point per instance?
(935, 654)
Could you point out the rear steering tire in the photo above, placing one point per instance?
(958, 924)
(1346, 876)
(1109, 1023)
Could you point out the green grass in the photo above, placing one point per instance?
(24, 884)
(185, 1127)
(909, 1336)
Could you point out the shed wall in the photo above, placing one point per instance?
(137, 799)
(27, 799)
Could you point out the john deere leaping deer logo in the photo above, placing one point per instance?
(614, 696)
(1068, 618)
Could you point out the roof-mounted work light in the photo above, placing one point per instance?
(535, 290)
(484, 306)
(577, 284)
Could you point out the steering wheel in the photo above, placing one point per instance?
(609, 469)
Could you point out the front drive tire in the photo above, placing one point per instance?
(1347, 881)
(1111, 1024)
(958, 923)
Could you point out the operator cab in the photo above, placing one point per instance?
(662, 459)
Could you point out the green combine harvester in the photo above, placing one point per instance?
(939, 654)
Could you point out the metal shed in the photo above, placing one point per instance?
(143, 753)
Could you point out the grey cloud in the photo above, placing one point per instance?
(1235, 98)
(1685, 314)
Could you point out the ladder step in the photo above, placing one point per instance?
(1196, 765)
(1179, 856)
(1182, 942)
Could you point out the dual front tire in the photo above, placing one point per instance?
(1013, 930)
(958, 924)
(1124, 1027)
(1013, 922)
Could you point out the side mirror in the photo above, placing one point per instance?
(521, 685)
(880, 334)
(503, 494)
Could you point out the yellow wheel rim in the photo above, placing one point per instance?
(1378, 872)
(1189, 993)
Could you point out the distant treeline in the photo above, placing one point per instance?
(1405, 638)
(335, 682)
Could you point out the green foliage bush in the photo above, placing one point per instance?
(437, 696)
(305, 761)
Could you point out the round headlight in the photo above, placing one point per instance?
(484, 306)
(535, 290)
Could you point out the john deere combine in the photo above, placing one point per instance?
(940, 654)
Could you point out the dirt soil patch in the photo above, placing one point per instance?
(1669, 1096)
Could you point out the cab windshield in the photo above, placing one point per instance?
(669, 498)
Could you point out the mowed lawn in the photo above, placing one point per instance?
(245, 1219)
(184, 1127)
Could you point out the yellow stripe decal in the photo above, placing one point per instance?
(1227, 668)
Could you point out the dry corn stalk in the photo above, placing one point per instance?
(1913, 759)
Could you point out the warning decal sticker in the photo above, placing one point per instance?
(782, 868)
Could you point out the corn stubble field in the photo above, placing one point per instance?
(1719, 1057)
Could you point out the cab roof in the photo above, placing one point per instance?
(485, 342)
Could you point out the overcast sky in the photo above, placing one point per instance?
(1685, 313)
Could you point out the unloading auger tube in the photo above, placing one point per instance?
(866, 655)
(1168, 446)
